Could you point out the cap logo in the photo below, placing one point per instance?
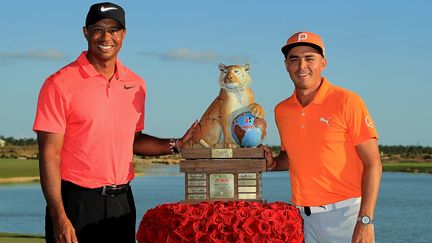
(302, 36)
(103, 9)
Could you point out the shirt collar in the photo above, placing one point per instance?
(91, 71)
(320, 95)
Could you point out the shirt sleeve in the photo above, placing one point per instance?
(51, 110)
(141, 108)
(359, 121)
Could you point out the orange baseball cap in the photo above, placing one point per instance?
(304, 39)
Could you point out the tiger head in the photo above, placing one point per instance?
(234, 77)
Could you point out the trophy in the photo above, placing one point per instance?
(221, 161)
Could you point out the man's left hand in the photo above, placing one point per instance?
(188, 135)
(363, 233)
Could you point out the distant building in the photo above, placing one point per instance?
(2, 143)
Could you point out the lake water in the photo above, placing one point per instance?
(403, 212)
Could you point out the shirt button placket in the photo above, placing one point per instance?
(302, 122)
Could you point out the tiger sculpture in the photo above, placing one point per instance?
(235, 96)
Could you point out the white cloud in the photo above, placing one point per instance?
(10, 57)
(188, 55)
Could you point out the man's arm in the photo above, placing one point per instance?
(152, 146)
(372, 170)
(280, 162)
(50, 146)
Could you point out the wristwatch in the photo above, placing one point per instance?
(365, 220)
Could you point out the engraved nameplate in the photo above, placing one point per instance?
(197, 183)
(221, 153)
(197, 196)
(247, 196)
(197, 176)
(197, 190)
(247, 176)
(247, 189)
(221, 185)
(247, 182)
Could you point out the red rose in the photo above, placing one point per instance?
(197, 213)
(187, 232)
(237, 226)
(255, 212)
(243, 238)
(277, 205)
(243, 212)
(200, 226)
(264, 227)
(268, 214)
(250, 226)
(229, 219)
(217, 237)
(271, 240)
(259, 238)
(232, 221)
(224, 228)
(217, 219)
(202, 237)
(181, 209)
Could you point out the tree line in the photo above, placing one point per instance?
(19, 141)
(394, 149)
(386, 149)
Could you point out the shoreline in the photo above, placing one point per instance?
(34, 179)
(12, 180)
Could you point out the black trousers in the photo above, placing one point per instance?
(97, 218)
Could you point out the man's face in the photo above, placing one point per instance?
(105, 39)
(305, 65)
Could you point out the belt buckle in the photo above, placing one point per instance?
(104, 190)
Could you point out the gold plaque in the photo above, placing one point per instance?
(246, 189)
(197, 176)
(221, 185)
(197, 183)
(247, 196)
(221, 153)
(247, 176)
(197, 190)
(197, 196)
(246, 182)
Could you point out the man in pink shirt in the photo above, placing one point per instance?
(89, 119)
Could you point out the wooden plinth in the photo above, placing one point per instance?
(223, 174)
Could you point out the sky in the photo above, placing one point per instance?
(378, 49)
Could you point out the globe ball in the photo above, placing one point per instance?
(247, 130)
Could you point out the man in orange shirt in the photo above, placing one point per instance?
(329, 144)
(89, 119)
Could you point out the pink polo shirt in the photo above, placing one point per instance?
(98, 119)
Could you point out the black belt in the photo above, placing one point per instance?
(110, 190)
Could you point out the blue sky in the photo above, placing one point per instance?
(379, 49)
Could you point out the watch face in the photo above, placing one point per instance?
(365, 220)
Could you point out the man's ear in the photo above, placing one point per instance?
(324, 63)
(85, 32)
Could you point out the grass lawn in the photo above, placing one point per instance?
(30, 168)
(20, 238)
(18, 168)
(417, 167)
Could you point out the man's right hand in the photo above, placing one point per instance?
(268, 155)
(279, 162)
(64, 232)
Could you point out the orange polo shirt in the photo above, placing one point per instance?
(320, 141)
(98, 119)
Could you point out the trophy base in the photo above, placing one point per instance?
(223, 174)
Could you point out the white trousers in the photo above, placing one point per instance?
(335, 226)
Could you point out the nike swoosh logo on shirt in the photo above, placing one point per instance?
(103, 9)
(128, 87)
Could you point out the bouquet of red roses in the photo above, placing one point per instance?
(232, 221)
